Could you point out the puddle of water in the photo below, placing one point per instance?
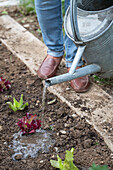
(31, 145)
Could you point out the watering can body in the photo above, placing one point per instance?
(93, 26)
(89, 24)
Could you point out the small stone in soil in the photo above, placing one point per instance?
(18, 157)
(24, 161)
(0, 128)
(41, 161)
(63, 132)
(63, 136)
(66, 125)
(87, 143)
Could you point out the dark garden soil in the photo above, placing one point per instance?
(68, 129)
(89, 146)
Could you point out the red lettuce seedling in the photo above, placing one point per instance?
(29, 124)
(4, 85)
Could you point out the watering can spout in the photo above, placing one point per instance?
(89, 69)
(73, 73)
(47, 82)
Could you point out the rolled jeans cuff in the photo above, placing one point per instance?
(55, 53)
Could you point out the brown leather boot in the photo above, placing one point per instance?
(49, 67)
(80, 84)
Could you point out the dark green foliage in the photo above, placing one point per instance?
(104, 81)
(27, 6)
(98, 167)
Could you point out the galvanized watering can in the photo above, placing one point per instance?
(89, 24)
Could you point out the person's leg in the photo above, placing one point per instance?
(80, 84)
(50, 20)
(49, 15)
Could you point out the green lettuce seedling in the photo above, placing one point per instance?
(17, 105)
(67, 164)
(98, 167)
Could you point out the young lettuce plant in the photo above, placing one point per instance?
(29, 124)
(67, 164)
(17, 105)
(4, 85)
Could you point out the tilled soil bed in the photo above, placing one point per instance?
(68, 130)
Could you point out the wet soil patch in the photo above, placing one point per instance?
(68, 130)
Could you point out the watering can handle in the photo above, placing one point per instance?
(73, 19)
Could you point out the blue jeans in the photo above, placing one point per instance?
(49, 14)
